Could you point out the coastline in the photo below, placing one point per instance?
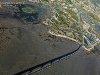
(87, 49)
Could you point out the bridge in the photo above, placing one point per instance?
(40, 67)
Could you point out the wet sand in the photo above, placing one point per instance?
(23, 46)
(30, 45)
(78, 64)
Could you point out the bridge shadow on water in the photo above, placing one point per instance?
(46, 64)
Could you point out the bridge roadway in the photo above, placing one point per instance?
(47, 64)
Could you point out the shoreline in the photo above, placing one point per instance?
(88, 49)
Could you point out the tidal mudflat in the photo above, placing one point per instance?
(25, 45)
